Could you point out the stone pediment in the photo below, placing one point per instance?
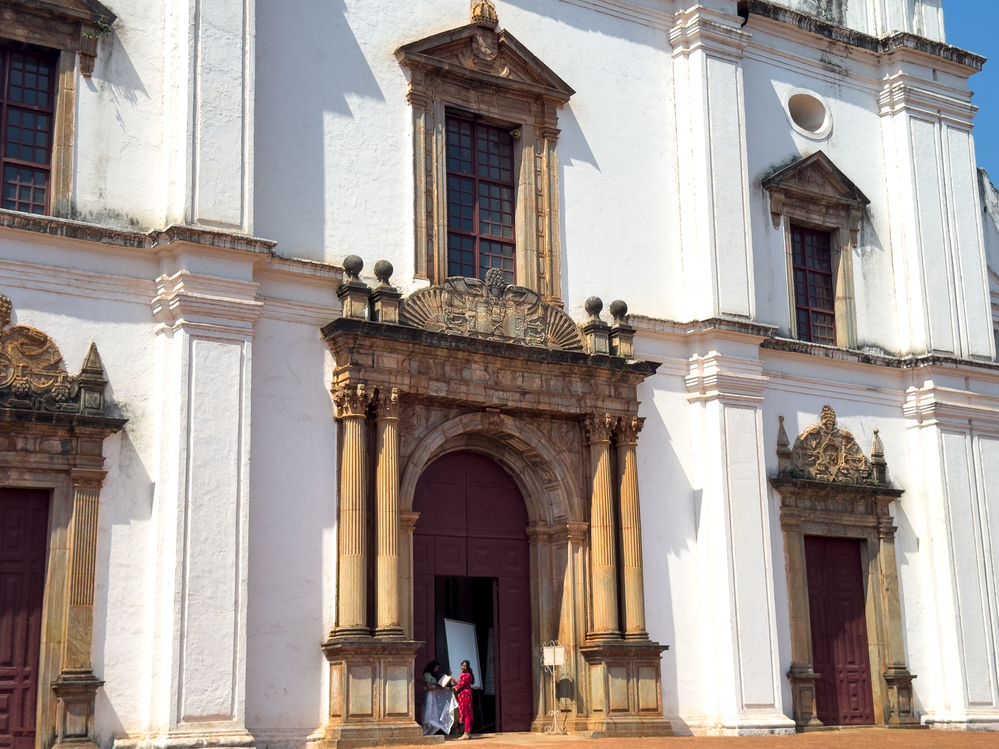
(34, 378)
(491, 310)
(480, 50)
(814, 184)
(824, 452)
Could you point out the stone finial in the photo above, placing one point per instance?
(92, 382)
(596, 333)
(484, 14)
(5, 309)
(783, 448)
(622, 335)
(353, 292)
(385, 299)
(879, 465)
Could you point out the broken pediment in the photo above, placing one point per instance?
(481, 52)
(816, 181)
(825, 452)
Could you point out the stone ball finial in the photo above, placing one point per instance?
(383, 272)
(619, 311)
(593, 306)
(353, 265)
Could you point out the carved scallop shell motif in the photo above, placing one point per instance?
(492, 310)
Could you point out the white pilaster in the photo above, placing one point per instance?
(941, 279)
(713, 170)
(206, 305)
(954, 444)
(742, 675)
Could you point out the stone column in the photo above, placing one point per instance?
(77, 686)
(897, 677)
(387, 512)
(802, 673)
(604, 570)
(631, 528)
(352, 599)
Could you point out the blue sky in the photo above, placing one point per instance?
(974, 25)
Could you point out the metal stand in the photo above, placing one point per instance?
(553, 656)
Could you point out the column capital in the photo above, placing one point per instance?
(628, 428)
(407, 521)
(599, 428)
(351, 401)
(387, 404)
(87, 478)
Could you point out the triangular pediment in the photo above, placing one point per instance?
(489, 55)
(818, 177)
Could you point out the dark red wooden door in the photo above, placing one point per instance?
(839, 632)
(23, 535)
(473, 523)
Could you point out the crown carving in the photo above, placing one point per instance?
(484, 14)
(825, 452)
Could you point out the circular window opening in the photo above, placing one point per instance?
(807, 112)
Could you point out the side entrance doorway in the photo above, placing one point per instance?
(471, 562)
(24, 532)
(843, 695)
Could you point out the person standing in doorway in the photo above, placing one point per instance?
(463, 689)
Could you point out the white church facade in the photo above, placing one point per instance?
(663, 329)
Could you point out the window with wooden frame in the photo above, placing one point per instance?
(814, 297)
(27, 113)
(485, 131)
(480, 199)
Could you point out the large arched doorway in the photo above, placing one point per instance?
(471, 562)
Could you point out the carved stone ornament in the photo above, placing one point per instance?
(824, 452)
(34, 378)
(351, 401)
(599, 427)
(493, 310)
(484, 14)
(815, 189)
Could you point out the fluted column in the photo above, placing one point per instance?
(387, 510)
(604, 572)
(352, 600)
(77, 686)
(631, 528)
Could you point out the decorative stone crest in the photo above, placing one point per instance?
(34, 378)
(493, 310)
(824, 452)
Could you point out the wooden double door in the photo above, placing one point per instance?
(471, 560)
(837, 611)
(23, 540)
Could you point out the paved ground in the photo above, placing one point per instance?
(854, 738)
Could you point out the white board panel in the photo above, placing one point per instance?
(462, 646)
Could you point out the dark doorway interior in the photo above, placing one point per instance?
(836, 608)
(471, 556)
(24, 532)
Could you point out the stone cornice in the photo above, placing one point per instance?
(899, 41)
(884, 493)
(725, 325)
(701, 28)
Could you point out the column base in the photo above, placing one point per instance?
(77, 692)
(899, 711)
(372, 694)
(222, 739)
(624, 690)
(803, 679)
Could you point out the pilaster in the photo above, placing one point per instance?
(714, 178)
(742, 676)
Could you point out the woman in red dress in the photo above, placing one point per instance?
(463, 690)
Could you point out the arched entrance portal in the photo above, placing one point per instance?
(471, 562)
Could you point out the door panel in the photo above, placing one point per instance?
(514, 643)
(423, 629)
(839, 631)
(23, 541)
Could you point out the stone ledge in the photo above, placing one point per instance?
(882, 45)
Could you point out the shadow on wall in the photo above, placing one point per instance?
(308, 62)
(668, 534)
(573, 148)
(630, 24)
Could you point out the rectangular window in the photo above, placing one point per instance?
(814, 299)
(27, 109)
(480, 200)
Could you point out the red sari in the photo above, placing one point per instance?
(463, 690)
